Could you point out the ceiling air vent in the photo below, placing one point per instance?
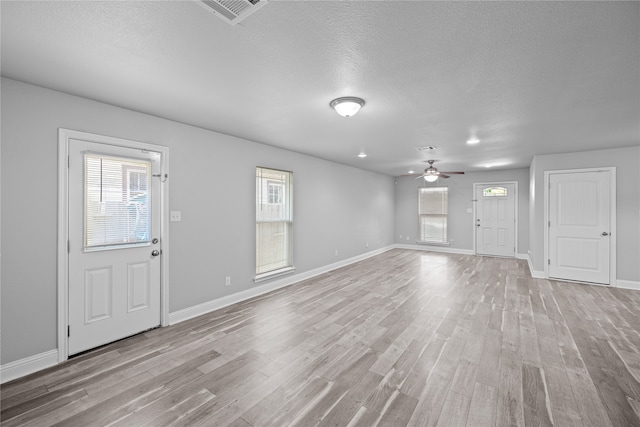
(425, 148)
(232, 11)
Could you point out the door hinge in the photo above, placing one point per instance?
(68, 330)
(549, 261)
(549, 224)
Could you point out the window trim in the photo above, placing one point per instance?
(421, 240)
(287, 201)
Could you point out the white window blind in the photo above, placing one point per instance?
(116, 201)
(274, 221)
(432, 212)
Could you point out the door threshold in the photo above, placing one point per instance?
(101, 347)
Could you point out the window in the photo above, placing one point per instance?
(432, 212)
(494, 192)
(275, 190)
(116, 207)
(274, 222)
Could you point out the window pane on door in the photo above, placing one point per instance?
(116, 201)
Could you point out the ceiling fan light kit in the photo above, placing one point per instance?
(431, 174)
(347, 106)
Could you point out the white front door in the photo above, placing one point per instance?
(114, 248)
(580, 226)
(495, 219)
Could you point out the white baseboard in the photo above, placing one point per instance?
(433, 248)
(209, 306)
(28, 365)
(628, 284)
(534, 273)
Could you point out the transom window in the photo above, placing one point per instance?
(495, 192)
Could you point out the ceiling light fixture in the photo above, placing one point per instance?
(431, 178)
(473, 140)
(362, 155)
(347, 106)
(411, 171)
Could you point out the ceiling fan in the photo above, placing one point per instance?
(431, 174)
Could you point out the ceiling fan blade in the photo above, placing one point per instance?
(419, 176)
(452, 173)
(441, 175)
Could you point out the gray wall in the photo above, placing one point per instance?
(627, 163)
(212, 182)
(460, 223)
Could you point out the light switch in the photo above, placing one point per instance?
(469, 210)
(175, 216)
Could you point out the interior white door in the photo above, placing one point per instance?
(579, 226)
(495, 219)
(114, 248)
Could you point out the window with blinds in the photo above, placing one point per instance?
(116, 201)
(274, 221)
(432, 212)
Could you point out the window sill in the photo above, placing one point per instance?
(426, 242)
(273, 274)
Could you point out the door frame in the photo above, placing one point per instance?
(612, 217)
(64, 137)
(515, 213)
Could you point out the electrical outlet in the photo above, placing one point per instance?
(227, 281)
(366, 245)
(336, 252)
(175, 216)
(401, 236)
(407, 237)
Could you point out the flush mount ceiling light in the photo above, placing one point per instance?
(347, 106)
(431, 177)
(473, 140)
(362, 155)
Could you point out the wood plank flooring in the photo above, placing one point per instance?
(406, 338)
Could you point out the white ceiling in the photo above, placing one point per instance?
(527, 77)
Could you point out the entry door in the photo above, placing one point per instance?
(114, 262)
(495, 219)
(579, 226)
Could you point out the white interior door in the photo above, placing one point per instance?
(114, 248)
(495, 219)
(580, 226)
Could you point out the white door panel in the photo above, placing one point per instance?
(495, 223)
(579, 226)
(114, 214)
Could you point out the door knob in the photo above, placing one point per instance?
(155, 252)
(604, 233)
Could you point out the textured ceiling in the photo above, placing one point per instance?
(526, 77)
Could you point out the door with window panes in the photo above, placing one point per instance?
(495, 219)
(114, 262)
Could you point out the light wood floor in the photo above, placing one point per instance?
(404, 338)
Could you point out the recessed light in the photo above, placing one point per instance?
(362, 155)
(473, 140)
(411, 171)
